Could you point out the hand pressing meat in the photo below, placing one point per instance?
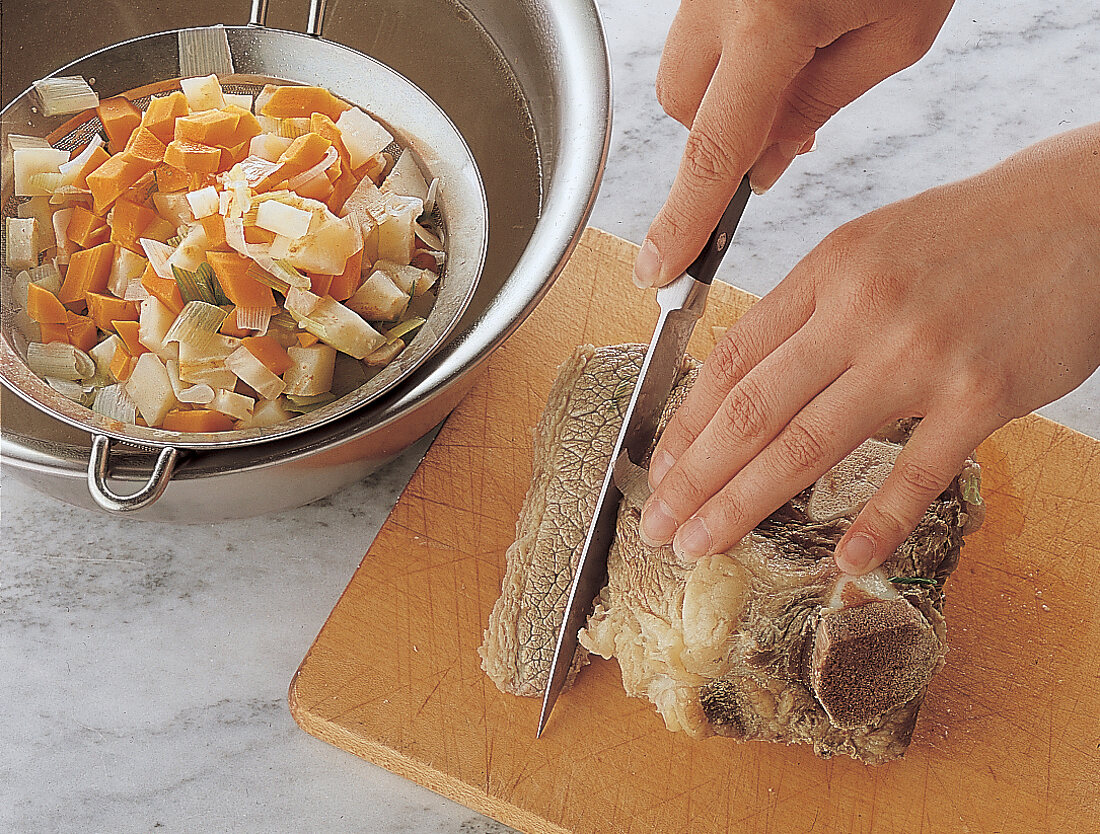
(967, 305)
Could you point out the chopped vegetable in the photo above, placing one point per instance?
(43, 306)
(268, 351)
(29, 162)
(65, 94)
(203, 93)
(197, 324)
(234, 405)
(379, 299)
(119, 116)
(155, 320)
(255, 373)
(150, 389)
(112, 401)
(88, 271)
(196, 420)
(60, 360)
(362, 135)
(311, 371)
(22, 243)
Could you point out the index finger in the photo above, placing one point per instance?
(727, 136)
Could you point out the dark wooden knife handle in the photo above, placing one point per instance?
(702, 269)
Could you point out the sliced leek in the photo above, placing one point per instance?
(196, 324)
(67, 94)
(60, 360)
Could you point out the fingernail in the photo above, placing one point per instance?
(658, 468)
(771, 165)
(809, 146)
(856, 554)
(658, 525)
(647, 266)
(692, 540)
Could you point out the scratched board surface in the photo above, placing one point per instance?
(1008, 739)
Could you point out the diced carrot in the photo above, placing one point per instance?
(207, 127)
(43, 306)
(229, 326)
(318, 188)
(198, 181)
(196, 419)
(97, 158)
(141, 192)
(342, 189)
(373, 168)
(347, 282)
(300, 102)
(119, 116)
(145, 148)
(319, 284)
(193, 157)
(86, 229)
(111, 179)
(322, 125)
(171, 179)
(52, 332)
(160, 229)
(128, 332)
(231, 156)
(304, 152)
(88, 271)
(82, 332)
(160, 117)
(268, 351)
(214, 226)
(165, 291)
(247, 125)
(122, 364)
(241, 288)
(128, 223)
(307, 339)
(104, 309)
(254, 234)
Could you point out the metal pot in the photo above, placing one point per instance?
(533, 105)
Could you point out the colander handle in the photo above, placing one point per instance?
(110, 500)
(313, 24)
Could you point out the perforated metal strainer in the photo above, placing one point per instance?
(245, 58)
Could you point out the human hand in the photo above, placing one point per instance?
(966, 305)
(753, 81)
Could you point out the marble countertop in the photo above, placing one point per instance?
(145, 667)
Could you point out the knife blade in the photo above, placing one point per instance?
(682, 304)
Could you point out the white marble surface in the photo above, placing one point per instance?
(145, 667)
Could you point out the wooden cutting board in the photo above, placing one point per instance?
(1008, 739)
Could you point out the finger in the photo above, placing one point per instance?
(820, 435)
(926, 466)
(836, 76)
(726, 137)
(688, 61)
(765, 326)
(753, 413)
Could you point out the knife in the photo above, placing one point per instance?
(682, 304)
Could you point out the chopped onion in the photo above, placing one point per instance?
(327, 161)
(433, 193)
(196, 324)
(427, 236)
(59, 359)
(71, 168)
(113, 402)
(255, 373)
(403, 329)
(200, 394)
(67, 94)
(17, 141)
(29, 162)
(232, 404)
(254, 318)
(158, 254)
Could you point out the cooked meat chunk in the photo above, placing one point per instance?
(765, 641)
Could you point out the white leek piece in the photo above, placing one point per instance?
(203, 93)
(72, 168)
(65, 247)
(336, 325)
(44, 275)
(125, 267)
(174, 207)
(66, 388)
(432, 196)
(426, 236)
(29, 162)
(151, 389)
(283, 219)
(197, 324)
(40, 209)
(402, 330)
(158, 254)
(17, 141)
(191, 252)
(385, 354)
(60, 360)
(255, 373)
(361, 135)
(134, 290)
(311, 373)
(200, 394)
(67, 94)
(22, 243)
(266, 413)
(237, 406)
(207, 366)
(112, 401)
(254, 318)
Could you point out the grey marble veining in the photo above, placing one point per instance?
(145, 667)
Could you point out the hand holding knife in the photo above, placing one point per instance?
(682, 304)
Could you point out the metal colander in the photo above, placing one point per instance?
(245, 58)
